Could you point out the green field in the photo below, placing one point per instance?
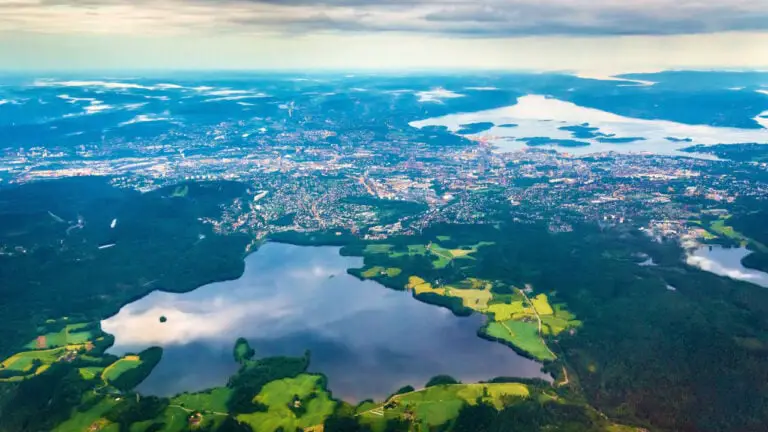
(71, 334)
(440, 404)
(213, 400)
(315, 404)
(25, 362)
(560, 321)
(82, 420)
(417, 249)
(90, 372)
(113, 371)
(504, 312)
(377, 248)
(378, 271)
(21, 363)
(476, 299)
(523, 335)
(719, 227)
(445, 256)
(174, 419)
(541, 304)
(473, 283)
(74, 335)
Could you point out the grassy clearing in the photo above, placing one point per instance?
(19, 363)
(720, 228)
(419, 286)
(113, 371)
(476, 299)
(94, 417)
(459, 253)
(75, 336)
(378, 271)
(446, 256)
(90, 372)
(418, 249)
(523, 335)
(437, 405)
(442, 260)
(541, 304)
(433, 406)
(313, 407)
(559, 322)
(514, 310)
(71, 334)
(551, 325)
(30, 363)
(53, 339)
(473, 299)
(473, 283)
(175, 419)
(213, 400)
(377, 248)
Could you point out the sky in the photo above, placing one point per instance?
(590, 36)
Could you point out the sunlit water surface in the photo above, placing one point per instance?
(726, 262)
(368, 340)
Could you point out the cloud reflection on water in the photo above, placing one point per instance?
(726, 262)
(369, 340)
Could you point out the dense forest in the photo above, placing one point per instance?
(688, 359)
(56, 267)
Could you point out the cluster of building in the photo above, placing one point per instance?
(305, 179)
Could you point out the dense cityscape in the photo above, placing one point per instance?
(299, 181)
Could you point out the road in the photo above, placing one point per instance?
(538, 318)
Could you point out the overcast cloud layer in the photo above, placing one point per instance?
(596, 36)
(478, 18)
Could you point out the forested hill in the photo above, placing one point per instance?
(81, 248)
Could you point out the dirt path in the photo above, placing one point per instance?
(191, 410)
(538, 318)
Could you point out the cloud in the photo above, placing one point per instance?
(437, 95)
(144, 118)
(480, 18)
(103, 84)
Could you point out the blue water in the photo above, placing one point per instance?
(368, 340)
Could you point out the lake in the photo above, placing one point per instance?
(369, 340)
(726, 262)
(550, 123)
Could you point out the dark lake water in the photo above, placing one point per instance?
(368, 340)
